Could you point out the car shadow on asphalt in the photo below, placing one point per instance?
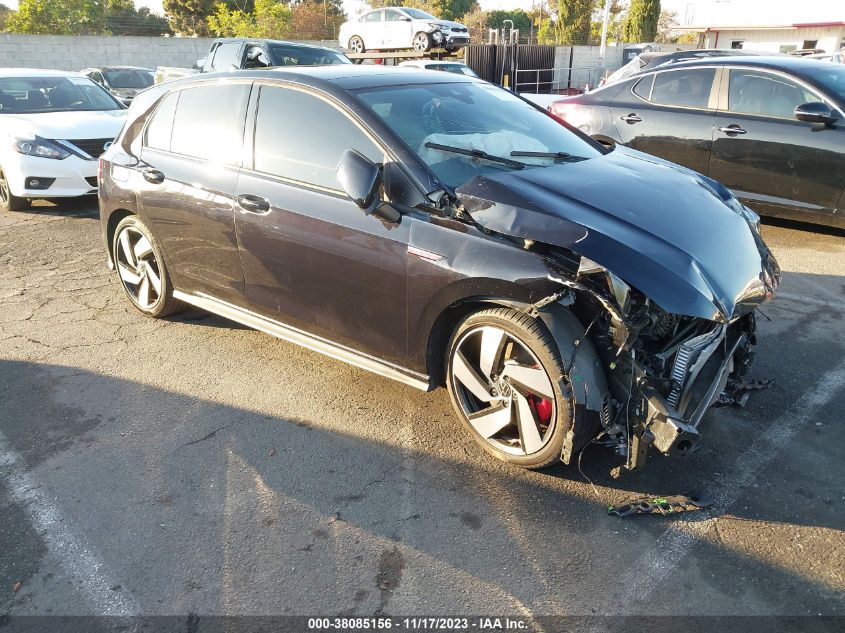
(268, 496)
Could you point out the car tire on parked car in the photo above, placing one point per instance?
(422, 42)
(356, 44)
(141, 269)
(9, 201)
(502, 375)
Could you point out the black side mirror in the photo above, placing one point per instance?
(815, 112)
(360, 179)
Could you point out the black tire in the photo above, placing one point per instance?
(356, 42)
(532, 335)
(8, 201)
(422, 42)
(164, 303)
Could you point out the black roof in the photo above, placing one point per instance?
(776, 62)
(258, 40)
(345, 76)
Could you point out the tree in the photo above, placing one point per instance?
(521, 20)
(122, 18)
(70, 17)
(188, 17)
(269, 19)
(641, 25)
(573, 21)
(615, 22)
(316, 19)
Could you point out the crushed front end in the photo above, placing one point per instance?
(664, 370)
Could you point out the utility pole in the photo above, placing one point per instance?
(603, 47)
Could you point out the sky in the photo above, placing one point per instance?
(690, 12)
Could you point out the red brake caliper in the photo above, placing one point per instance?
(541, 406)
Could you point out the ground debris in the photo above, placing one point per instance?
(673, 504)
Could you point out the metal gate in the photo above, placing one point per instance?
(500, 64)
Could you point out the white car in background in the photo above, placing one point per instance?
(456, 68)
(53, 127)
(398, 28)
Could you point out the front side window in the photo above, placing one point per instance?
(683, 88)
(285, 131)
(392, 16)
(472, 116)
(226, 56)
(160, 126)
(765, 94)
(53, 94)
(285, 55)
(209, 122)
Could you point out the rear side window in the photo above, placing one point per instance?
(226, 56)
(684, 88)
(284, 137)
(373, 16)
(160, 126)
(209, 122)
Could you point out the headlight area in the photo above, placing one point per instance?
(40, 147)
(664, 370)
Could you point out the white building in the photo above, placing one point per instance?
(777, 38)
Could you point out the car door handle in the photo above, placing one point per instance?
(153, 175)
(253, 204)
(632, 118)
(732, 129)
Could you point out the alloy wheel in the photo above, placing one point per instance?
(138, 268)
(421, 42)
(356, 45)
(503, 390)
(4, 190)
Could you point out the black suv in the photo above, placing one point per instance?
(228, 54)
(437, 229)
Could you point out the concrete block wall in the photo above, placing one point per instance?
(66, 52)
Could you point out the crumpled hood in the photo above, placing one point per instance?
(65, 125)
(663, 229)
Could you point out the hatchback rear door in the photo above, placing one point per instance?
(191, 150)
(776, 164)
(670, 114)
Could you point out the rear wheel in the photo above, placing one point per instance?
(8, 201)
(422, 42)
(141, 269)
(356, 44)
(502, 379)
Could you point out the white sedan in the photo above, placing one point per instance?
(397, 28)
(53, 127)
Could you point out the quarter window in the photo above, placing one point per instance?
(209, 122)
(643, 87)
(753, 92)
(684, 88)
(160, 126)
(284, 137)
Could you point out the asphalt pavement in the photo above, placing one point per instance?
(192, 466)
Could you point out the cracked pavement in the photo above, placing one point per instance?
(211, 469)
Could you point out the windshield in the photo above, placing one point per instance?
(53, 94)
(418, 15)
(471, 116)
(138, 79)
(831, 78)
(301, 56)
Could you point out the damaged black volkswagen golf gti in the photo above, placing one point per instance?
(436, 229)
